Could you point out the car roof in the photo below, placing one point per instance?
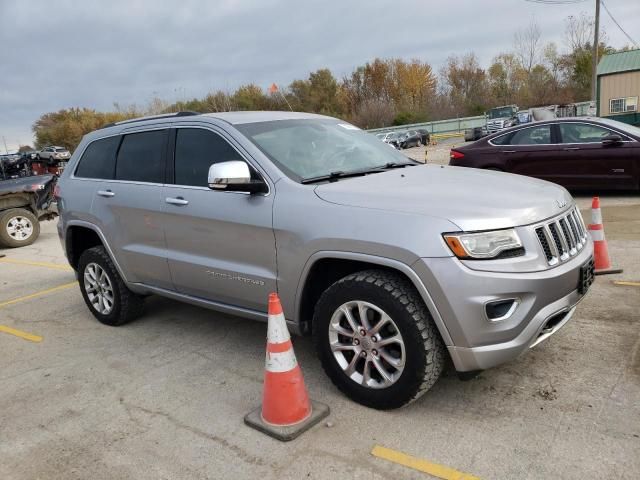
(545, 122)
(236, 118)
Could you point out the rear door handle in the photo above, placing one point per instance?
(509, 151)
(106, 193)
(571, 148)
(176, 201)
(618, 170)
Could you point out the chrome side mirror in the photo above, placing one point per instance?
(234, 176)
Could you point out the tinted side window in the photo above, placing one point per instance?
(196, 150)
(582, 133)
(99, 159)
(140, 158)
(501, 140)
(532, 136)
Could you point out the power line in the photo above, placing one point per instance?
(616, 22)
(556, 2)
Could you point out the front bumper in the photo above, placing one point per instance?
(547, 300)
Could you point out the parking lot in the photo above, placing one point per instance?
(165, 396)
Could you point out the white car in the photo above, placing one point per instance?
(54, 154)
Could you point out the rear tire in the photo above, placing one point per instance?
(401, 360)
(18, 228)
(104, 291)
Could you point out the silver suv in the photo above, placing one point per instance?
(394, 267)
(53, 154)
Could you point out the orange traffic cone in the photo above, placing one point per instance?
(286, 410)
(600, 250)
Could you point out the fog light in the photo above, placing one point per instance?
(501, 309)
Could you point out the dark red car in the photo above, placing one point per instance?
(573, 152)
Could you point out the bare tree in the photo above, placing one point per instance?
(374, 113)
(527, 46)
(578, 31)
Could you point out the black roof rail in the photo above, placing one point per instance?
(185, 113)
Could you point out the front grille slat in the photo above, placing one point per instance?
(562, 237)
(560, 244)
(574, 230)
(567, 234)
(544, 243)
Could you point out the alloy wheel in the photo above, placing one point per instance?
(367, 344)
(99, 288)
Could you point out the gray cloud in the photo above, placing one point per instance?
(57, 54)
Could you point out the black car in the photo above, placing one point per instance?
(29, 155)
(13, 165)
(410, 139)
(425, 136)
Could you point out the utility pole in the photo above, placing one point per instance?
(594, 73)
(5, 145)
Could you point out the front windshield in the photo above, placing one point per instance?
(625, 127)
(306, 149)
(500, 112)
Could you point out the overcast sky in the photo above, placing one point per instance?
(56, 54)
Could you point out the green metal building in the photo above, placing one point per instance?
(618, 86)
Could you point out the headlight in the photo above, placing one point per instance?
(483, 244)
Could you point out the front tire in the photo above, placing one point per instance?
(104, 291)
(376, 339)
(18, 228)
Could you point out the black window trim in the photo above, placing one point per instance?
(74, 175)
(553, 131)
(625, 138)
(171, 150)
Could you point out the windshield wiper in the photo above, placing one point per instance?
(390, 165)
(356, 173)
(333, 176)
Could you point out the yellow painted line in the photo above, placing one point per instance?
(629, 284)
(21, 334)
(37, 294)
(57, 266)
(439, 471)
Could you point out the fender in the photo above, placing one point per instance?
(382, 261)
(91, 226)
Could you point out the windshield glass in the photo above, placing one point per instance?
(311, 148)
(625, 127)
(501, 112)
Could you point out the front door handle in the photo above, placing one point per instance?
(177, 201)
(509, 151)
(618, 170)
(571, 148)
(106, 193)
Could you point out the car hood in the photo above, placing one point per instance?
(470, 198)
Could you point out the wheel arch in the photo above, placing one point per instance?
(80, 236)
(325, 268)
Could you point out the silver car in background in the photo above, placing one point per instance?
(54, 154)
(393, 266)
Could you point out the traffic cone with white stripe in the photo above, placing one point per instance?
(286, 410)
(600, 249)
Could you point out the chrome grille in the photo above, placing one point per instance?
(563, 237)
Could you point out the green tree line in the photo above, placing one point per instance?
(390, 91)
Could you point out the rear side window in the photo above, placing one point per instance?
(99, 159)
(140, 158)
(532, 136)
(196, 151)
(501, 140)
